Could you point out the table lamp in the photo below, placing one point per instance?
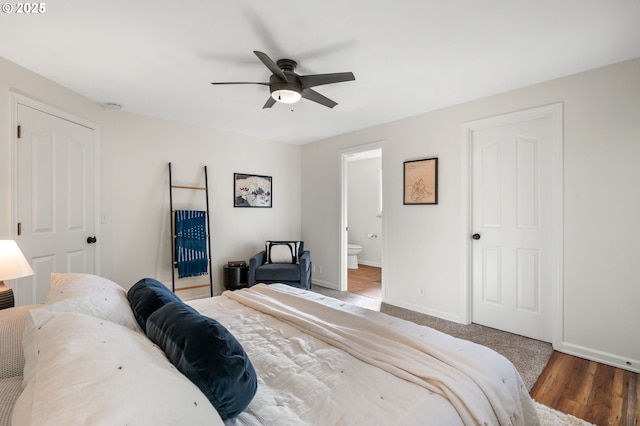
(12, 265)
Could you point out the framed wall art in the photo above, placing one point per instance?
(251, 190)
(421, 181)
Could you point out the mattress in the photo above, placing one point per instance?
(321, 361)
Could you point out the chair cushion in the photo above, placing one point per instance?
(283, 251)
(278, 272)
(208, 354)
(147, 296)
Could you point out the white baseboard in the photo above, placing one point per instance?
(369, 263)
(599, 356)
(326, 284)
(420, 309)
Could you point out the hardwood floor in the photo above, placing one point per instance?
(598, 393)
(365, 281)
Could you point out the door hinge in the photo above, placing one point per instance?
(19, 131)
(19, 228)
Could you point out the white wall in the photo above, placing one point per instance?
(363, 209)
(142, 149)
(135, 151)
(422, 244)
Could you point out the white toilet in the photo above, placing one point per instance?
(353, 250)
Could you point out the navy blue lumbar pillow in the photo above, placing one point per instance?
(204, 351)
(147, 296)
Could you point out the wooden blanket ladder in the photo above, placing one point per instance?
(172, 211)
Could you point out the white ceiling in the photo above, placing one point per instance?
(157, 57)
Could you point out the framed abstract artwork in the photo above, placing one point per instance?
(421, 181)
(251, 190)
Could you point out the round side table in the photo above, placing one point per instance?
(235, 277)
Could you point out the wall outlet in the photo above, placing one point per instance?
(319, 269)
(421, 291)
(313, 268)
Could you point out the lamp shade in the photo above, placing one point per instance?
(286, 96)
(12, 262)
(287, 92)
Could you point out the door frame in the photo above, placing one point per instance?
(344, 210)
(20, 99)
(555, 113)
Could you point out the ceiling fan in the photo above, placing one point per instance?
(288, 87)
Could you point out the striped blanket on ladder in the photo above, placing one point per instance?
(191, 243)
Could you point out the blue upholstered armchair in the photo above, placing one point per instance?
(281, 262)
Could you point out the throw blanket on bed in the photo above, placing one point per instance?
(191, 243)
(478, 395)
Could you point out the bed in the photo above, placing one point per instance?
(323, 361)
(316, 361)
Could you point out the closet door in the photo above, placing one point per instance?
(56, 200)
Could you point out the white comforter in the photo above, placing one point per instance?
(325, 362)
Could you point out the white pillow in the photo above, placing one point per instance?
(282, 251)
(91, 295)
(94, 372)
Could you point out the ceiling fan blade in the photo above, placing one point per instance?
(240, 82)
(271, 65)
(320, 79)
(270, 102)
(314, 96)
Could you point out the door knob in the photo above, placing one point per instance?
(476, 236)
(91, 240)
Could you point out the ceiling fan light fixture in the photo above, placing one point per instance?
(286, 96)
(287, 87)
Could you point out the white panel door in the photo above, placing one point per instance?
(55, 199)
(512, 214)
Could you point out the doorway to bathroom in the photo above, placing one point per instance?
(362, 236)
